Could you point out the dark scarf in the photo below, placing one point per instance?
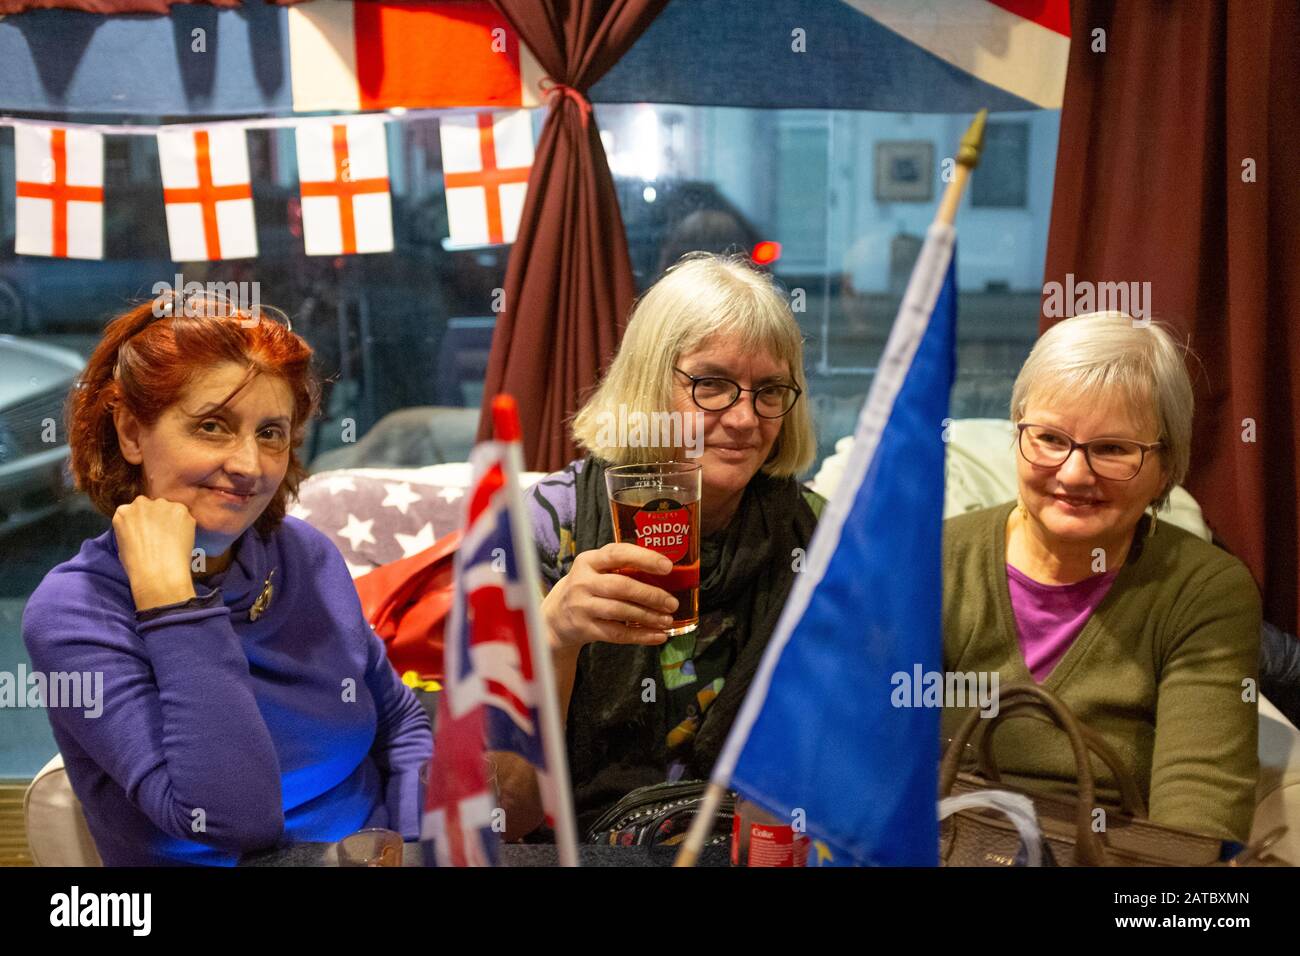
(616, 734)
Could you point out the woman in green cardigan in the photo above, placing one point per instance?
(1147, 633)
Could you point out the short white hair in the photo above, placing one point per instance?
(1108, 354)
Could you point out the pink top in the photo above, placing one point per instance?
(1050, 616)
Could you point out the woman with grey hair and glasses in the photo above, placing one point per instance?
(713, 343)
(1147, 633)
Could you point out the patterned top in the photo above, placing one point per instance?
(693, 665)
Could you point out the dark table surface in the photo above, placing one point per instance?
(512, 854)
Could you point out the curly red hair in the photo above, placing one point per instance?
(145, 361)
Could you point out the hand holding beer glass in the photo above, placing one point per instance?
(657, 507)
(628, 592)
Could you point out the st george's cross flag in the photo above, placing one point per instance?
(821, 736)
(59, 192)
(207, 193)
(498, 690)
(376, 55)
(486, 161)
(347, 203)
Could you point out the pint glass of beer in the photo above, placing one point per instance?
(657, 506)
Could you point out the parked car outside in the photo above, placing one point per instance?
(34, 382)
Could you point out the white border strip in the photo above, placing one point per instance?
(904, 339)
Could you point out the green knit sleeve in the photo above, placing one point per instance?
(1205, 762)
(815, 501)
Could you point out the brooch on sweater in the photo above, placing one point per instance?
(263, 600)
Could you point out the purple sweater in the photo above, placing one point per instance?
(220, 735)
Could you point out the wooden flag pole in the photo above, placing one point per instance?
(505, 422)
(700, 826)
(968, 157)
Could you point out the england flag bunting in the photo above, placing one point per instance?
(346, 196)
(375, 55)
(486, 161)
(207, 193)
(59, 194)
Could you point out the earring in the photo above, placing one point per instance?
(1155, 518)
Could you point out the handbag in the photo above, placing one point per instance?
(660, 815)
(978, 837)
(407, 603)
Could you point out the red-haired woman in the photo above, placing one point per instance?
(246, 702)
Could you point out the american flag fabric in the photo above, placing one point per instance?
(375, 55)
(59, 192)
(491, 694)
(347, 203)
(207, 193)
(486, 160)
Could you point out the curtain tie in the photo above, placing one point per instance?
(550, 89)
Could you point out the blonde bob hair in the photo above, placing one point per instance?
(1102, 355)
(701, 296)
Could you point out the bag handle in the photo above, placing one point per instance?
(1090, 849)
(1131, 801)
(692, 806)
(1016, 807)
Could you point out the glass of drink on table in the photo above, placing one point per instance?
(372, 847)
(657, 506)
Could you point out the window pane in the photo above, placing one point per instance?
(849, 196)
(403, 338)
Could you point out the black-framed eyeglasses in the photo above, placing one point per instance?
(1116, 459)
(716, 394)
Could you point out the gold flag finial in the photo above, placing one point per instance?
(968, 153)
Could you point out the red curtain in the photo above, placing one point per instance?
(569, 281)
(1176, 167)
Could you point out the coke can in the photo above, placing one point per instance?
(760, 839)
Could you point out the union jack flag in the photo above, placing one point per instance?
(492, 696)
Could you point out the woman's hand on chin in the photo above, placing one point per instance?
(155, 540)
(593, 602)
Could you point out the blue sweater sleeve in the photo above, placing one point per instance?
(403, 740)
(403, 734)
(180, 731)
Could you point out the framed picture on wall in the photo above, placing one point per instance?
(904, 170)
